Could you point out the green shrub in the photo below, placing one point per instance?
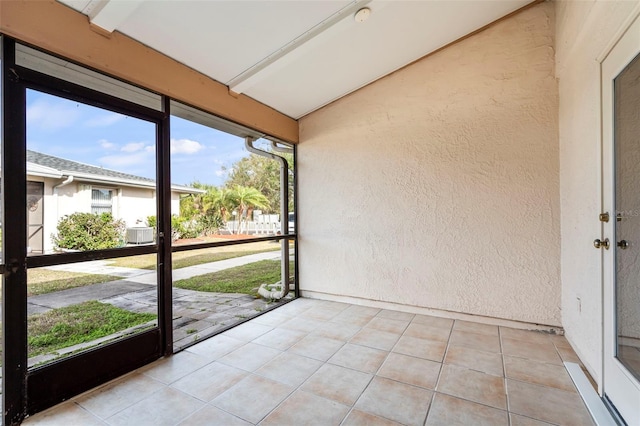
(152, 222)
(182, 227)
(87, 231)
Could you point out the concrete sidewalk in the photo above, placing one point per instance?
(136, 280)
(196, 314)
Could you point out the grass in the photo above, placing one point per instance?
(241, 279)
(186, 258)
(41, 281)
(84, 322)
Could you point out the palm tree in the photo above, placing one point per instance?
(247, 199)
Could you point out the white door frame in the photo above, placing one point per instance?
(618, 385)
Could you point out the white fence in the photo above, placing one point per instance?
(262, 224)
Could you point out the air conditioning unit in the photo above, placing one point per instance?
(140, 235)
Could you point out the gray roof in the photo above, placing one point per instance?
(89, 172)
(68, 166)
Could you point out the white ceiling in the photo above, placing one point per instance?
(295, 56)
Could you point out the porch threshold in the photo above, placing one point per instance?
(599, 412)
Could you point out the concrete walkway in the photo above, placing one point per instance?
(195, 314)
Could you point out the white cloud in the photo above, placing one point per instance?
(221, 173)
(49, 115)
(185, 146)
(121, 162)
(133, 147)
(104, 120)
(106, 144)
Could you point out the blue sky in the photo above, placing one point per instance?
(79, 132)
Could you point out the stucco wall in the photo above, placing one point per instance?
(437, 186)
(135, 205)
(584, 31)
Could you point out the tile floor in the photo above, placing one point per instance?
(314, 362)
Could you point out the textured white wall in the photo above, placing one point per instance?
(437, 186)
(584, 30)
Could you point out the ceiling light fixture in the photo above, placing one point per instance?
(362, 15)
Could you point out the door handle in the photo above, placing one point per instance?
(623, 244)
(597, 243)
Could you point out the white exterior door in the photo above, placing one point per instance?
(621, 233)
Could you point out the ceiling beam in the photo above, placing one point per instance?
(109, 14)
(264, 67)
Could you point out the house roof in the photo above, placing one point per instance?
(50, 166)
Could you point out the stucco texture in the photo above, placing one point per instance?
(438, 186)
(584, 30)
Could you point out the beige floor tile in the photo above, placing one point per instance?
(396, 401)
(280, 338)
(316, 347)
(210, 415)
(67, 413)
(449, 411)
(487, 362)
(476, 327)
(481, 342)
(290, 369)
(517, 420)
(360, 358)
(539, 373)
(424, 331)
(375, 339)
(248, 331)
(473, 386)
(411, 370)
(547, 404)
(433, 321)
(210, 381)
(253, 398)
(304, 408)
(168, 370)
(395, 315)
(360, 418)
(352, 319)
(116, 396)
(337, 331)
(362, 310)
(388, 325)
(250, 357)
(568, 355)
(302, 324)
(213, 349)
(165, 407)
(421, 348)
(320, 314)
(272, 319)
(535, 351)
(530, 336)
(560, 341)
(337, 383)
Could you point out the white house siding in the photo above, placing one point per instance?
(133, 205)
(437, 186)
(584, 29)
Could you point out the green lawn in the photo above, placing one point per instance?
(241, 279)
(185, 258)
(84, 322)
(41, 280)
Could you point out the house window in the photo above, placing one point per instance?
(101, 201)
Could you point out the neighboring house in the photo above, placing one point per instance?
(57, 187)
